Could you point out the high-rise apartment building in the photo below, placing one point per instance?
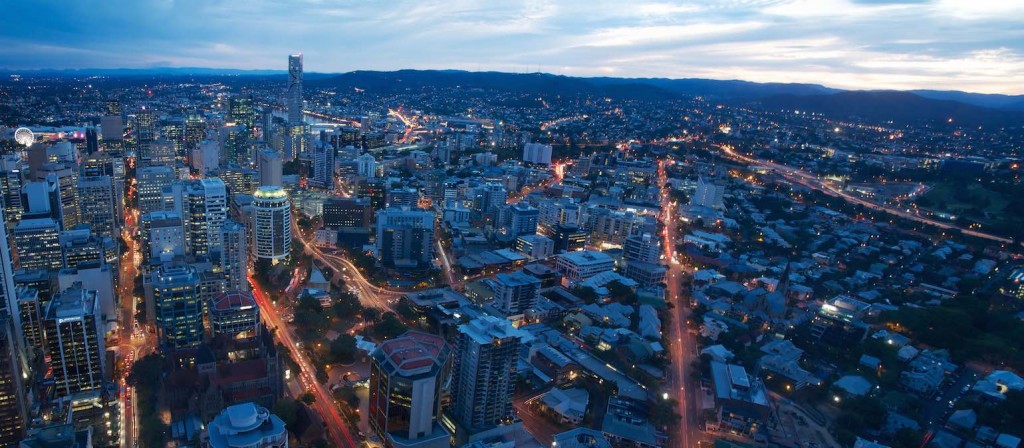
(486, 354)
(515, 292)
(234, 260)
(323, 165)
(271, 224)
(709, 193)
(523, 220)
(408, 375)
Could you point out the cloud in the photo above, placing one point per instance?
(972, 45)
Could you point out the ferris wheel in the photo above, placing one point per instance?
(24, 136)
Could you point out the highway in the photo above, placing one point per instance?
(337, 427)
(808, 180)
(682, 346)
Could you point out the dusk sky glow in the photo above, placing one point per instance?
(971, 45)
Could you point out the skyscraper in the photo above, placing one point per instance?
(270, 168)
(177, 305)
(405, 237)
(37, 242)
(234, 260)
(487, 349)
(323, 165)
(12, 396)
(161, 235)
(271, 224)
(295, 89)
(240, 111)
(234, 314)
(75, 341)
(207, 206)
(524, 219)
(407, 380)
(151, 181)
(96, 198)
(66, 179)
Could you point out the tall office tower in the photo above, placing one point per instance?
(271, 224)
(206, 157)
(111, 164)
(81, 246)
(92, 141)
(97, 277)
(366, 166)
(267, 124)
(323, 165)
(30, 309)
(709, 193)
(234, 261)
(195, 130)
(41, 200)
(489, 197)
(270, 165)
(407, 381)
(75, 341)
(483, 381)
(295, 89)
(13, 177)
(240, 111)
(297, 141)
(234, 145)
(177, 306)
(97, 198)
(37, 243)
(516, 292)
(66, 179)
(162, 236)
(151, 182)
(234, 315)
(173, 132)
(239, 180)
(524, 219)
(112, 130)
(159, 152)
(207, 206)
(375, 190)
(145, 125)
(13, 411)
(405, 237)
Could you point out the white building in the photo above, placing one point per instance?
(709, 193)
(579, 266)
(366, 166)
(537, 153)
(246, 426)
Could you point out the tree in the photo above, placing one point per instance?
(621, 293)
(308, 398)
(288, 410)
(663, 413)
(343, 349)
(347, 306)
(389, 326)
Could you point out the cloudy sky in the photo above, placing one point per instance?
(973, 45)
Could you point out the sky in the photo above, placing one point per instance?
(970, 45)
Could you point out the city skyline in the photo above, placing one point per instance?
(851, 44)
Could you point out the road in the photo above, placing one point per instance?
(808, 180)
(132, 344)
(337, 427)
(682, 347)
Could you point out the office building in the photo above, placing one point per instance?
(30, 310)
(97, 209)
(233, 140)
(241, 111)
(484, 375)
(488, 198)
(239, 180)
(97, 278)
(37, 243)
(405, 237)
(13, 177)
(177, 306)
(270, 165)
(207, 205)
(366, 166)
(75, 341)
(81, 246)
(347, 212)
(194, 131)
(271, 224)
(568, 238)
(206, 157)
(523, 219)
(246, 425)
(535, 246)
(108, 163)
(642, 247)
(323, 166)
(162, 236)
(112, 130)
(150, 182)
(234, 261)
(234, 315)
(157, 153)
(709, 193)
(295, 89)
(13, 409)
(66, 179)
(408, 375)
(515, 293)
(579, 266)
(399, 196)
(537, 153)
(145, 125)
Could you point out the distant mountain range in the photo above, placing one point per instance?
(878, 106)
